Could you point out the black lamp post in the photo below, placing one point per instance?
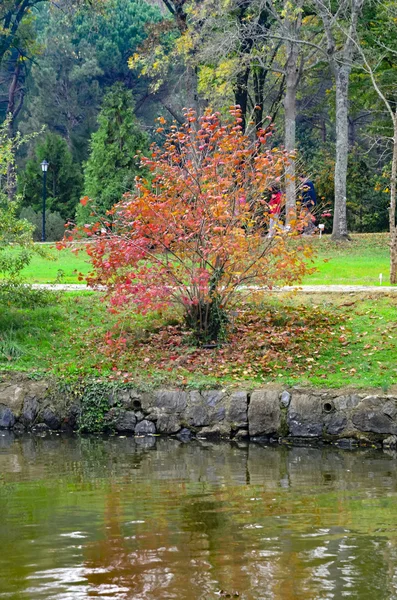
(44, 167)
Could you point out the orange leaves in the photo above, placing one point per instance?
(195, 231)
(84, 201)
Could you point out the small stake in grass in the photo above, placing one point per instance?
(321, 228)
(380, 278)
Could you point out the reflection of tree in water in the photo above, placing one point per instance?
(180, 522)
(212, 527)
(152, 563)
(112, 563)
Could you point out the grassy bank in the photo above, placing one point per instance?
(318, 341)
(356, 263)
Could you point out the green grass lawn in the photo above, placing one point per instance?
(58, 265)
(348, 341)
(356, 263)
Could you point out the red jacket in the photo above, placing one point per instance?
(275, 203)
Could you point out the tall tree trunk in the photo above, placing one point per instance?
(12, 111)
(340, 60)
(290, 144)
(392, 208)
(339, 230)
(241, 95)
(259, 78)
(293, 73)
(241, 84)
(193, 100)
(178, 11)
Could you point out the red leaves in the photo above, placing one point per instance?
(262, 342)
(195, 230)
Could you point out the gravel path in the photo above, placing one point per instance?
(305, 289)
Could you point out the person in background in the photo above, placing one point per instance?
(309, 201)
(275, 205)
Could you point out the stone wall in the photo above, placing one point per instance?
(270, 414)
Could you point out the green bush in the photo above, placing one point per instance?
(14, 292)
(54, 224)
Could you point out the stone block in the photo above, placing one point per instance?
(206, 409)
(219, 430)
(335, 424)
(51, 419)
(285, 399)
(374, 421)
(305, 415)
(264, 414)
(12, 395)
(7, 417)
(30, 411)
(237, 412)
(168, 424)
(128, 399)
(197, 415)
(390, 409)
(145, 427)
(126, 421)
(169, 401)
(346, 402)
(375, 414)
(390, 442)
(184, 434)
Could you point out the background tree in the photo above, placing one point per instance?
(13, 231)
(64, 178)
(14, 12)
(113, 163)
(378, 62)
(340, 53)
(83, 55)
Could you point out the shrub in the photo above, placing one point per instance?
(193, 232)
(54, 224)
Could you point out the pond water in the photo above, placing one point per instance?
(155, 518)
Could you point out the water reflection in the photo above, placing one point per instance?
(115, 518)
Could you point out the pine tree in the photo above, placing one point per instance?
(113, 163)
(64, 179)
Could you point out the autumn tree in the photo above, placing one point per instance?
(192, 234)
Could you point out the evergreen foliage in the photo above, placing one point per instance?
(113, 163)
(54, 224)
(64, 179)
(83, 55)
(13, 230)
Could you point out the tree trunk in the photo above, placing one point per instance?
(241, 95)
(341, 64)
(339, 231)
(293, 73)
(392, 208)
(259, 78)
(241, 85)
(289, 142)
(178, 11)
(12, 111)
